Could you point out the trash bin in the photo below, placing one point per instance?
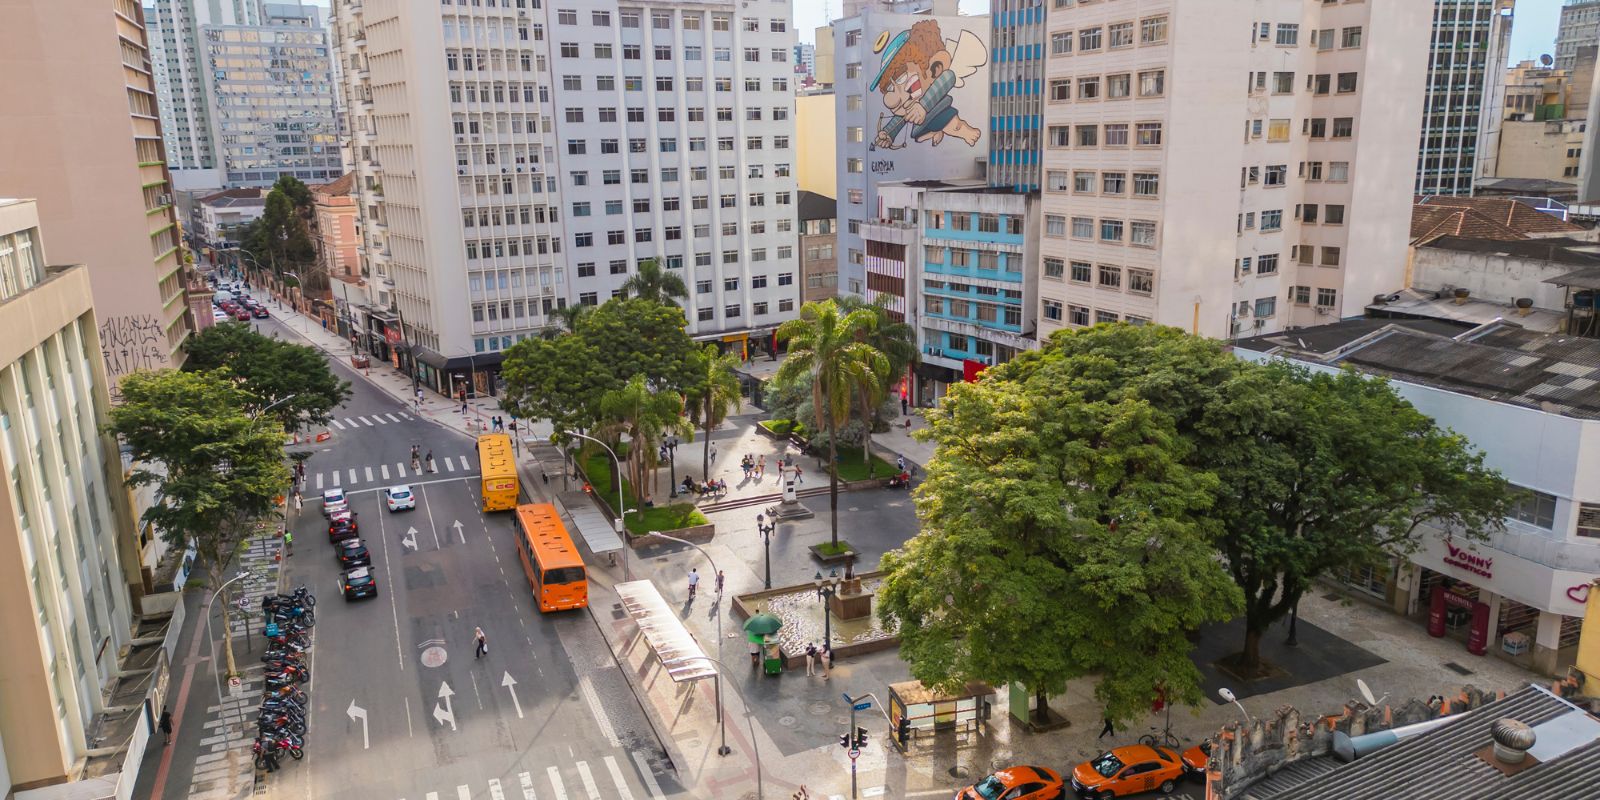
(772, 662)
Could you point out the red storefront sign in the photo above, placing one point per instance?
(970, 370)
(392, 335)
(1463, 559)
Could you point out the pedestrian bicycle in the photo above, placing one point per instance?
(1162, 738)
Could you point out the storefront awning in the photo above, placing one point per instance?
(682, 656)
(476, 361)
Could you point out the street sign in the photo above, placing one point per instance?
(854, 753)
(863, 706)
(236, 686)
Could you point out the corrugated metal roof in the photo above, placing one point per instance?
(664, 632)
(1442, 764)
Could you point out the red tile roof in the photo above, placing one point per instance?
(1497, 218)
(342, 186)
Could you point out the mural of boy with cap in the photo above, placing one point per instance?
(919, 70)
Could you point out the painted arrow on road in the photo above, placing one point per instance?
(457, 526)
(410, 539)
(357, 712)
(443, 713)
(511, 685)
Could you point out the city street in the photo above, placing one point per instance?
(400, 706)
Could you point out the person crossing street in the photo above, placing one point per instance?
(694, 582)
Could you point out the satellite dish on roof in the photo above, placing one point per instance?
(1546, 60)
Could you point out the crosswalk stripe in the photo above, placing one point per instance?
(555, 783)
(378, 418)
(588, 781)
(337, 424)
(335, 477)
(402, 469)
(527, 786)
(616, 776)
(319, 481)
(495, 793)
(449, 465)
(385, 468)
(392, 418)
(466, 466)
(351, 422)
(369, 474)
(464, 792)
(404, 415)
(365, 421)
(352, 474)
(649, 777)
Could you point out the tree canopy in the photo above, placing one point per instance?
(563, 377)
(281, 238)
(653, 282)
(269, 370)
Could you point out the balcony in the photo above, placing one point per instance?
(997, 335)
(891, 231)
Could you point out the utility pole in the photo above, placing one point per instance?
(857, 737)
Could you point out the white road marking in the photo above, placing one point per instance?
(649, 777)
(429, 510)
(335, 478)
(588, 781)
(466, 466)
(413, 485)
(401, 467)
(365, 421)
(555, 783)
(527, 786)
(369, 474)
(433, 796)
(319, 481)
(352, 474)
(616, 776)
(495, 792)
(586, 688)
(378, 418)
(351, 422)
(394, 610)
(449, 465)
(404, 415)
(464, 792)
(385, 468)
(337, 424)
(392, 418)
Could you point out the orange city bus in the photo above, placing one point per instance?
(498, 469)
(551, 562)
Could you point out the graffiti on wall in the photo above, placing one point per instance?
(919, 72)
(130, 343)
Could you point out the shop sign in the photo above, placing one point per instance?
(1464, 559)
(392, 335)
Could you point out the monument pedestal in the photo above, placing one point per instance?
(855, 605)
(791, 508)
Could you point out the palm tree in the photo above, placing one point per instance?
(824, 347)
(643, 416)
(716, 392)
(897, 342)
(652, 282)
(567, 319)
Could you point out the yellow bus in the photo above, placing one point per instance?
(549, 559)
(498, 468)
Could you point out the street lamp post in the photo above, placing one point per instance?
(767, 530)
(755, 748)
(671, 447)
(724, 749)
(826, 589)
(211, 642)
(622, 513)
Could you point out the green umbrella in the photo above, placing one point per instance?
(762, 624)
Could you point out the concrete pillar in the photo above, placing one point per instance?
(1547, 642)
(1494, 620)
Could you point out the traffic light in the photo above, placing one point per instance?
(844, 740)
(861, 738)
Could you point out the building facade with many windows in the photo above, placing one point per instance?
(1580, 26)
(1016, 99)
(675, 131)
(182, 77)
(1207, 164)
(1465, 97)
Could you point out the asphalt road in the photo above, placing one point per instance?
(401, 708)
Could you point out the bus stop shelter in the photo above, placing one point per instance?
(664, 632)
(914, 707)
(597, 531)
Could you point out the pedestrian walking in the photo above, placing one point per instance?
(694, 582)
(825, 655)
(761, 466)
(720, 578)
(482, 643)
(299, 502)
(713, 451)
(900, 463)
(416, 462)
(797, 478)
(431, 467)
(1108, 730)
(288, 542)
(755, 653)
(165, 725)
(419, 398)
(811, 658)
(905, 406)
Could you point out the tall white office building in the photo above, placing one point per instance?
(675, 125)
(1228, 167)
(181, 78)
(449, 111)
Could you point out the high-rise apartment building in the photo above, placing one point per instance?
(454, 156)
(1227, 167)
(1580, 26)
(249, 93)
(97, 168)
(676, 141)
(64, 568)
(1464, 101)
(1016, 99)
(805, 59)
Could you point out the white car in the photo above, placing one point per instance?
(334, 500)
(400, 498)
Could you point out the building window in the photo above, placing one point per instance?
(1266, 307)
(1088, 135)
(1351, 37)
(1054, 268)
(1288, 35)
(1333, 215)
(1089, 40)
(1338, 171)
(1266, 264)
(1060, 90)
(1113, 182)
(1327, 298)
(1055, 225)
(1534, 508)
(1111, 230)
(1061, 43)
(1142, 233)
(1153, 30)
(1088, 88)
(1119, 35)
(1343, 127)
(1153, 83)
(1283, 83)
(1052, 310)
(1078, 315)
(1082, 228)
(1141, 281)
(1110, 277)
(1056, 180)
(1347, 82)
(1146, 184)
(1149, 134)
(1116, 134)
(1277, 175)
(1330, 256)
(1059, 135)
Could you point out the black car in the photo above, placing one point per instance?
(342, 529)
(359, 582)
(352, 553)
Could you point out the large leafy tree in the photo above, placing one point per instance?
(271, 370)
(824, 348)
(217, 469)
(1063, 535)
(280, 238)
(715, 393)
(562, 378)
(897, 341)
(643, 416)
(652, 282)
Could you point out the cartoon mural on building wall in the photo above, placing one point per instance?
(919, 71)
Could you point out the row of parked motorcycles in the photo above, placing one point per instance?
(281, 724)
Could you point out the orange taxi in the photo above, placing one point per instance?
(1128, 770)
(1017, 783)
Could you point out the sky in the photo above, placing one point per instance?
(1533, 32)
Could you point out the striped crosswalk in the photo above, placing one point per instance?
(385, 474)
(369, 421)
(559, 784)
